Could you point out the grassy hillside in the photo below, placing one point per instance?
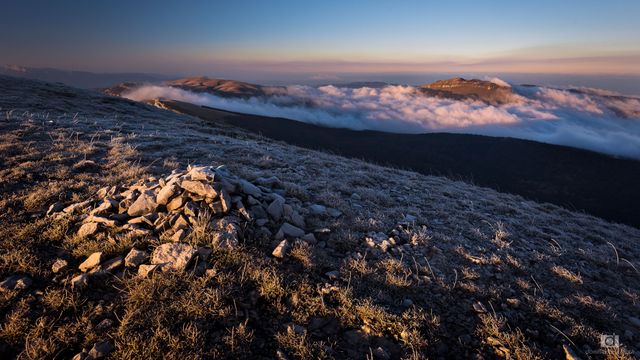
(407, 266)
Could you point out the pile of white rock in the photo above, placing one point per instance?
(170, 210)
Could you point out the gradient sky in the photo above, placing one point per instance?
(324, 37)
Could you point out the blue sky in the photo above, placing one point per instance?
(324, 37)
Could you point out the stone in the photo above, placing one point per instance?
(173, 256)
(92, 261)
(225, 201)
(166, 193)
(289, 230)
(80, 282)
(55, 208)
(201, 173)
(310, 238)
(272, 181)
(317, 209)
(135, 258)
(108, 266)
(77, 207)
(88, 229)
(258, 212)
(176, 203)
(100, 220)
(281, 250)
(144, 204)
(179, 235)
(140, 220)
(16, 282)
(250, 189)
(297, 219)
(105, 206)
(199, 188)
(217, 207)
(180, 223)
(146, 270)
(356, 197)
(243, 211)
(191, 209)
(102, 192)
(276, 208)
(226, 233)
(335, 213)
(100, 350)
(479, 308)
(59, 265)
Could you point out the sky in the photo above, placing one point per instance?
(324, 39)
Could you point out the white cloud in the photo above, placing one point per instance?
(541, 114)
(498, 81)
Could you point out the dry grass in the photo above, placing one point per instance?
(536, 263)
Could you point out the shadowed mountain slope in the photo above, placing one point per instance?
(577, 179)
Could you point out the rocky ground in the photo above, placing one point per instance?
(133, 232)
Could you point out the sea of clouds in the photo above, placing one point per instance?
(592, 119)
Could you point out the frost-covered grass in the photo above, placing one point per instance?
(544, 275)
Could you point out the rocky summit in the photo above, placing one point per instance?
(462, 89)
(176, 209)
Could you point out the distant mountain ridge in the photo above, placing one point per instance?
(461, 89)
(455, 88)
(220, 87)
(81, 79)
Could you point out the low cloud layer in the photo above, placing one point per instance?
(589, 119)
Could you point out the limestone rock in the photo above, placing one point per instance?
(104, 207)
(55, 208)
(15, 282)
(100, 350)
(58, 265)
(108, 266)
(166, 193)
(173, 256)
(100, 220)
(317, 209)
(226, 233)
(281, 250)
(289, 230)
(225, 201)
(334, 212)
(250, 189)
(92, 261)
(199, 188)
(176, 203)
(88, 229)
(276, 208)
(179, 235)
(135, 258)
(76, 208)
(201, 173)
(146, 270)
(144, 204)
(310, 238)
(80, 282)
